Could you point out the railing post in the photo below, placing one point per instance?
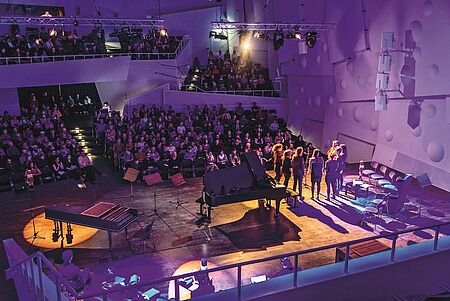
(295, 270)
(238, 282)
(177, 290)
(394, 243)
(436, 238)
(41, 283)
(58, 289)
(347, 255)
(33, 278)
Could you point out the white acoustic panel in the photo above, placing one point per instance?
(380, 103)
(357, 149)
(387, 40)
(384, 63)
(382, 81)
(403, 163)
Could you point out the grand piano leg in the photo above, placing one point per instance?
(110, 243)
(62, 234)
(277, 209)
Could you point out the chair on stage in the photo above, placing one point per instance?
(142, 237)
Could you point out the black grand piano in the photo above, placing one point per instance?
(103, 215)
(248, 181)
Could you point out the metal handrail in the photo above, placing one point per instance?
(263, 93)
(49, 265)
(58, 58)
(295, 254)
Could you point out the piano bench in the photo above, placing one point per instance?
(294, 195)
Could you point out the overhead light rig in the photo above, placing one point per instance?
(277, 32)
(263, 27)
(75, 21)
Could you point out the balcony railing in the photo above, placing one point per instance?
(34, 280)
(62, 58)
(264, 93)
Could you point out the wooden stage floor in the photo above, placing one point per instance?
(240, 231)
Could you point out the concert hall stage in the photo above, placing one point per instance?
(240, 231)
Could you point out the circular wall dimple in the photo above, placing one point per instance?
(309, 101)
(343, 84)
(324, 47)
(358, 114)
(317, 101)
(428, 8)
(296, 102)
(429, 110)
(433, 71)
(330, 100)
(417, 30)
(361, 81)
(388, 135)
(435, 151)
(417, 53)
(318, 59)
(304, 61)
(349, 67)
(374, 125)
(302, 90)
(417, 132)
(339, 112)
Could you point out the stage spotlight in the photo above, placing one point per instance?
(69, 236)
(245, 44)
(75, 23)
(311, 39)
(256, 34)
(278, 40)
(163, 32)
(212, 34)
(219, 36)
(298, 35)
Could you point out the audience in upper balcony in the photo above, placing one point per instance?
(229, 72)
(46, 42)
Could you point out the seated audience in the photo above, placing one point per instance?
(76, 277)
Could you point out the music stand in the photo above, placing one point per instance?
(178, 181)
(131, 176)
(152, 180)
(35, 233)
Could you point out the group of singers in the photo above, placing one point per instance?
(289, 163)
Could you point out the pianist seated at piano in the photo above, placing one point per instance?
(76, 277)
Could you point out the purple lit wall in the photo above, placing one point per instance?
(424, 149)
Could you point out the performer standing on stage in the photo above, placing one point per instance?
(277, 150)
(341, 166)
(331, 174)
(332, 149)
(316, 170)
(287, 166)
(298, 166)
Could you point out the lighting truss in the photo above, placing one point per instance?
(273, 26)
(70, 21)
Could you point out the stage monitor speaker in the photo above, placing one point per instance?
(384, 63)
(382, 81)
(414, 111)
(380, 103)
(387, 40)
(423, 180)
